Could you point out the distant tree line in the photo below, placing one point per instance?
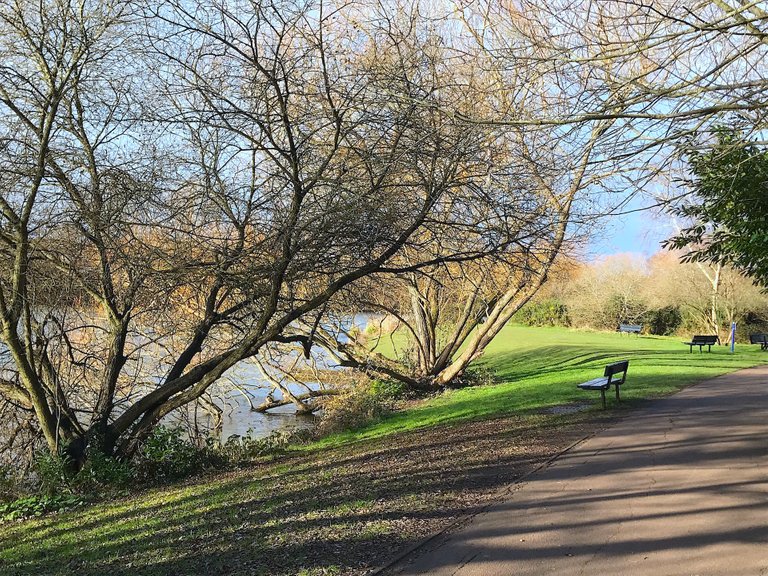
(661, 293)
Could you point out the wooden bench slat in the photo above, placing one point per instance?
(595, 384)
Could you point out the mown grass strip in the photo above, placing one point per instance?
(538, 368)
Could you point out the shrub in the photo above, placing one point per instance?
(389, 390)
(101, 471)
(166, 455)
(476, 376)
(53, 472)
(243, 449)
(355, 407)
(550, 312)
(663, 321)
(56, 475)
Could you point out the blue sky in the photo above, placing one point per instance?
(634, 232)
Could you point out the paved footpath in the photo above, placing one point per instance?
(679, 487)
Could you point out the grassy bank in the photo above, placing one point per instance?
(350, 501)
(538, 368)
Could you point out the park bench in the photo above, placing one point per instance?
(609, 377)
(631, 328)
(761, 339)
(702, 341)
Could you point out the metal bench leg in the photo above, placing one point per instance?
(618, 399)
(602, 393)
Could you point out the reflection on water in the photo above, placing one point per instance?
(238, 417)
(243, 386)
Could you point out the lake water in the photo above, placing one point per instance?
(239, 419)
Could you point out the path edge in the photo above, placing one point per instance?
(465, 519)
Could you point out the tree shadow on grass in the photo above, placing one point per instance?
(309, 525)
(348, 508)
(353, 511)
(558, 358)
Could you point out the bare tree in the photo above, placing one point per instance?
(548, 176)
(670, 60)
(184, 184)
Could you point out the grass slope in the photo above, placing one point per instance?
(540, 367)
(346, 504)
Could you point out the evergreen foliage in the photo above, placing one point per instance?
(729, 207)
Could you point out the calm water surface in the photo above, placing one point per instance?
(239, 419)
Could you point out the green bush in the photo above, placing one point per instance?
(550, 312)
(54, 473)
(355, 407)
(389, 390)
(663, 321)
(476, 376)
(166, 455)
(55, 485)
(101, 471)
(243, 449)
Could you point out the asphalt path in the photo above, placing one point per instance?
(678, 487)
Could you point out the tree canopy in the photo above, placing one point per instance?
(727, 210)
(182, 183)
(185, 184)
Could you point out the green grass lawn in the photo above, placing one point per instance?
(332, 505)
(539, 367)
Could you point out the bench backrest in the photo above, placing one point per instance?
(630, 328)
(704, 340)
(758, 338)
(616, 368)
